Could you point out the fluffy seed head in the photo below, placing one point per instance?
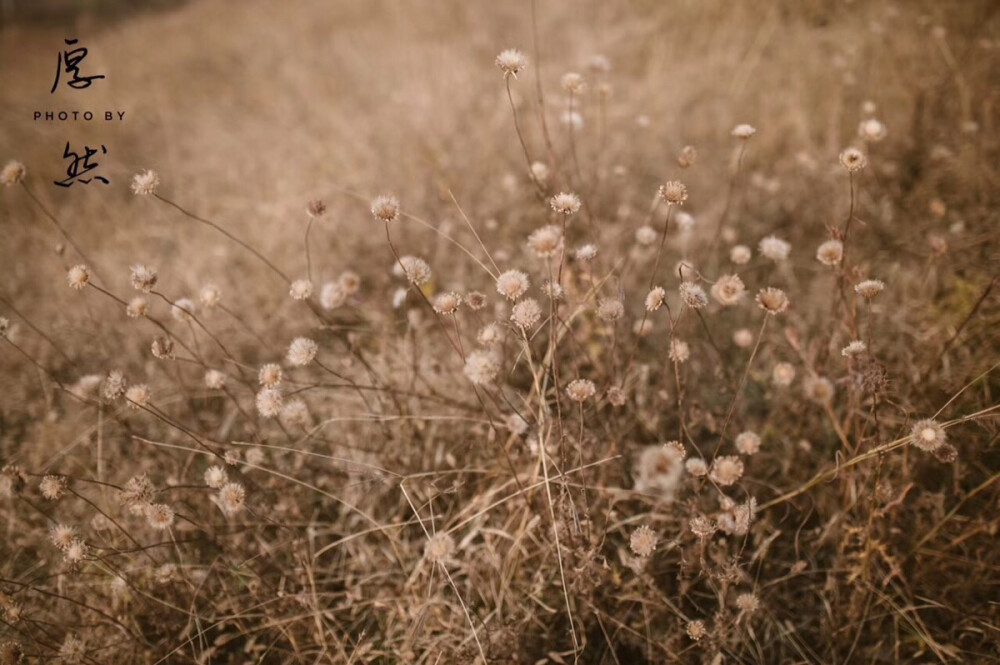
(643, 541)
(232, 498)
(740, 254)
(489, 335)
(163, 348)
(617, 396)
(447, 303)
(774, 248)
(209, 295)
(728, 290)
(573, 83)
(183, 310)
(742, 338)
(270, 375)
(783, 374)
(145, 182)
(772, 300)
(696, 466)
(475, 300)
(743, 131)
(610, 309)
(580, 390)
(52, 487)
(546, 240)
(269, 402)
(687, 156)
(658, 469)
(13, 173)
(872, 130)
(853, 160)
(645, 235)
(143, 277)
(78, 277)
(526, 313)
(73, 650)
(830, 252)
(726, 470)
(214, 379)
(137, 492)
(216, 477)
(481, 367)
(62, 536)
(302, 351)
(747, 602)
(439, 547)
(928, 435)
(655, 298)
(565, 203)
(748, 443)
(673, 192)
(137, 307)
(159, 515)
(511, 62)
(679, 351)
(300, 289)
(138, 395)
(512, 284)
(693, 295)
(114, 385)
(416, 270)
(539, 171)
(385, 208)
(855, 348)
(818, 389)
(869, 288)
(332, 295)
(586, 253)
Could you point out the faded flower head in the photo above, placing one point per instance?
(545, 241)
(138, 395)
(526, 313)
(511, 62)
(580, 390)
(610, 309)
(573, 83)
(565, 203)
(855, 348)
(232, 498)
(743, 131)
(830, 252)
(728, 290)
(655, 298)
(853, 160)
(747, 603)
(645, 235)
(52, 488)
(114, 385)
(586, 253)
(869, 288)
(658, 469)
(726, 470)
(696, 629)
(295, 413)
(439, 547)
(772, 300)
(78, 277)
(214, 379)
(270, 375)
(512, 284)
(748, 442)
(13, 173)
(145, 182)
(818, 389)
(183, 310)
(137, 307)
(159, 515)
(783, 374)
(163, 348)
(693, 295)
(616, 396)
(300, 289)
(490, 335)
(332, 295)
(416, 270)
(740, 254)
(447, 303)
(643, 541)
(209, 295)
(62, 536)
(687, 156)
(73, 650)
(872, 130)
(269, 402)
(316, 208)
(696, 466)
(302, 351)
(673, 192)
(385, 208)
(539, 171)
(143, 277)
(475, 300)
(928, 434)
(774, 248)
(742, 338)
(481, 367)
(679, 351)
(216, 476)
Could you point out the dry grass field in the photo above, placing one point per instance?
(543, 331)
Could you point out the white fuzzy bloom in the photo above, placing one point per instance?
(385, 208)
(586, 253)
(481, 367)
(215, 477)
(511, 62)
(526, 313)
(143, 277)
(740, 254)
(655, 298)
(679, 351)
(210, 295)
(512, 284)
(416, 270)
(183, 310)
(269, 402)
(332, 295)
(743, 131)
(830, 252)
(748, 443)
(693, 295)
(580, 390)
(565, 203)
(645, 235)
(774, 248)
(302, 351)
(728, 290)
(301, 289)
(145, 183)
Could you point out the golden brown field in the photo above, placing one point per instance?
(502, 332)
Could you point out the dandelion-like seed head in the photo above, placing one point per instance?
(830, 252)
(332, 295)
(447, 302)
(475, 300)
(270, 375)
(645, 235)
(295, 413)
(137, 492)
(574, 83)
(53, 488)
(13, 173)
(687, 157)
(512, 284)
(162, 348)
(350, 281)
(137, 307)
(302, 351)
(232, 498)
(511, 62)
(209, 295)
(269, 402)
(416, 270)
(78, 277)
(586, 253)
(616, 396)
(62, 536)
(783, 374)
(565, 203)
(673, 192)
(855, 348)
(643, 541)
(696, 629)
(853, 160)
(693, 295)
(679, 351)
(580, 390)
(655, 298)
(214, 379)
(728, 290)
(159, 516)
(144, 183)
(481, 366)
(872, 130)
(747, 603)
(138, 395)
(526, 313)
(743, 131)
(726, 470)
(539, 171)
(439, 547)
(546, 241)
(774, 248)
(772, 300)
(869, 288)
(114, 385)
(740, 254)
(143, 277)
(73, 650)
(696, 466)
(183, 310)
(385, 208)
(928, 434)
(300, 289)
(818, 389)
(610, 309)
(216, 476)
(748, 442)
